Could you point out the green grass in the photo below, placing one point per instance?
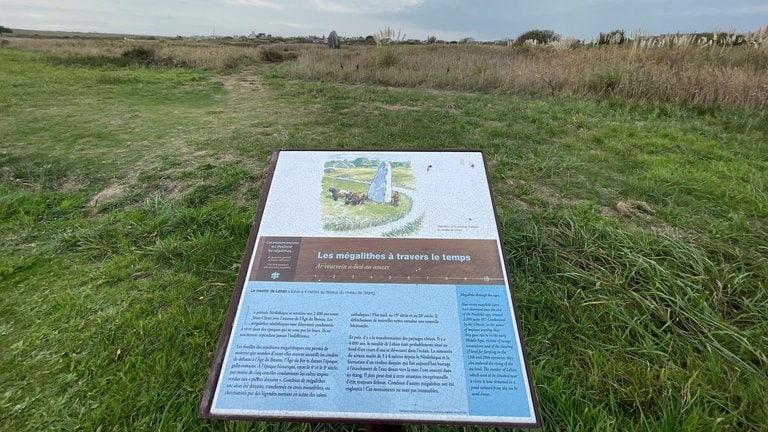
(127, 193)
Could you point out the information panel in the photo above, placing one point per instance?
(374, 290)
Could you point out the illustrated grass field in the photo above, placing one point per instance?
(635, 232)
(400, 177)
(339, 215)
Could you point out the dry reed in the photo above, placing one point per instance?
(676, 68)
(730, 76)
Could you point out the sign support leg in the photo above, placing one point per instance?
(383, 428)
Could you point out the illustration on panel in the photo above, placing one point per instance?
(365, 195)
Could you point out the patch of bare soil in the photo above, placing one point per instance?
(628, 208)
(107, 194)
(550, 195)
(71, 184)
(169, 189)
(398, 107)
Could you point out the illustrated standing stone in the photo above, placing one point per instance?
(380, 190)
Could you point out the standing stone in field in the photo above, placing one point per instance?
(380, 190)
(333, 41)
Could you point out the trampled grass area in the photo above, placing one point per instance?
(635, 232)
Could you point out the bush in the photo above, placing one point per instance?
(271, 55)
(605, 80)
(139, 55)
(386, 57)
(540, 36)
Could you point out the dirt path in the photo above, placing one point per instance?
(247, 108)
(252, 106)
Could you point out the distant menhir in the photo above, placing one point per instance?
(333, 40)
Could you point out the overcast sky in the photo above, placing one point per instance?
(418, 19)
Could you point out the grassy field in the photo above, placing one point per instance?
(635, 232)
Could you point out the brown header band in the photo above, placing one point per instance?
(356, 260)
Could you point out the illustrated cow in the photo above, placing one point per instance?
(339, 193)
(355, 198)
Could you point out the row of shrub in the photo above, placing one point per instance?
(209, 55)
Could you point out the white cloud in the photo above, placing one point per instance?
(256, 3)
(365, 6)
